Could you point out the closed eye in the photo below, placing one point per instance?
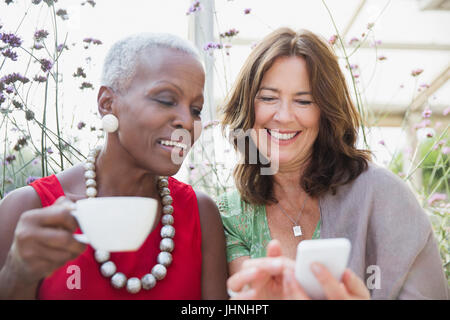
(267, 99)
(165, 102)
(303, 102)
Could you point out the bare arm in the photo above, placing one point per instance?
(34, 242)
(214, 264)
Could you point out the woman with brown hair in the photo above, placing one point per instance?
(308, 180)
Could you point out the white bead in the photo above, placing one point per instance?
(90, 159)
(168, 209)
(167, 232)
(167, 200)
(148, 281)
(108, 269)
(159, 271)
(165, 258)
(101, 256)
(91, 183)
(89, 166)
(167, 219)
(118, 280)
(163, 182)
(133, 285)
(91, 192)
(90, 174)
(110, 123)
(164, 192)
(166, 244)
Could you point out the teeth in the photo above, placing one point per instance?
(282, 136)
(173, 144)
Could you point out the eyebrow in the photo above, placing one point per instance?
(169, 83)
(200, 96)
(277, 91)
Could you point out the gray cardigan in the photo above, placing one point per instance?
(393, 246)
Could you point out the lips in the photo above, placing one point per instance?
(172, 144)
(283, 135)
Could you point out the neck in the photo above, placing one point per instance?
(287, 189)
(118, 174)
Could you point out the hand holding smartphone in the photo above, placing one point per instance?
(331, 253)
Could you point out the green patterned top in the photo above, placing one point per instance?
(246, 229)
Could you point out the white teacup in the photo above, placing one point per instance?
(115, 223)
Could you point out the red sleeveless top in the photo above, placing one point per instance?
(81, 278)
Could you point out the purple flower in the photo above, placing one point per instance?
(375, 43)
(46, 65)
(62, 46)
(11, 39)
(38, 46)
(436, 197)
(10, 54)
(49, 150)
(63, 14)
(86, 85)
(80, 73)
(230, 33)
(423, 124)
(81, 125)
(13, 77)
(416, 72)
(91, 2)
(195, 6)
(381, 142)
(31, 179)
(446, 150)
(10, 159)
(40, 35)
(211, 46)
(2, 98)
(353, 40)
(39, 79)
(446, 111)
(247, 10)
(96, 42)
(332, 39)
(427, 112)
(9, 89)
(29, 115)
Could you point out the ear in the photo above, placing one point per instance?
(105, 100)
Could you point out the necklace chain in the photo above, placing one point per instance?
(296, 229)
(108, 268)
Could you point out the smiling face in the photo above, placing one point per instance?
(285, 113)
(165, 94)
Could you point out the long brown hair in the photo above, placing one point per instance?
(335, 160)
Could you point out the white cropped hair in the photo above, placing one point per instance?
(121, 60)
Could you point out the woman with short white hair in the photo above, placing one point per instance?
(152, 85)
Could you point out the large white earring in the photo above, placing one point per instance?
(110, 123)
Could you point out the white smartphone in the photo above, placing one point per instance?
(332, 253)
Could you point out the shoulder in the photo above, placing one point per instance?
(231, 205)
(380, 182)
(21, 199)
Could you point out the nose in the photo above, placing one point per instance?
(183, 118)
(284, 112)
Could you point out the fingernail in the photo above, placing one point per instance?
(316, 268)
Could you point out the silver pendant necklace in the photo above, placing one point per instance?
(296, 228)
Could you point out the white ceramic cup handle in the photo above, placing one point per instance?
(78, 236)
